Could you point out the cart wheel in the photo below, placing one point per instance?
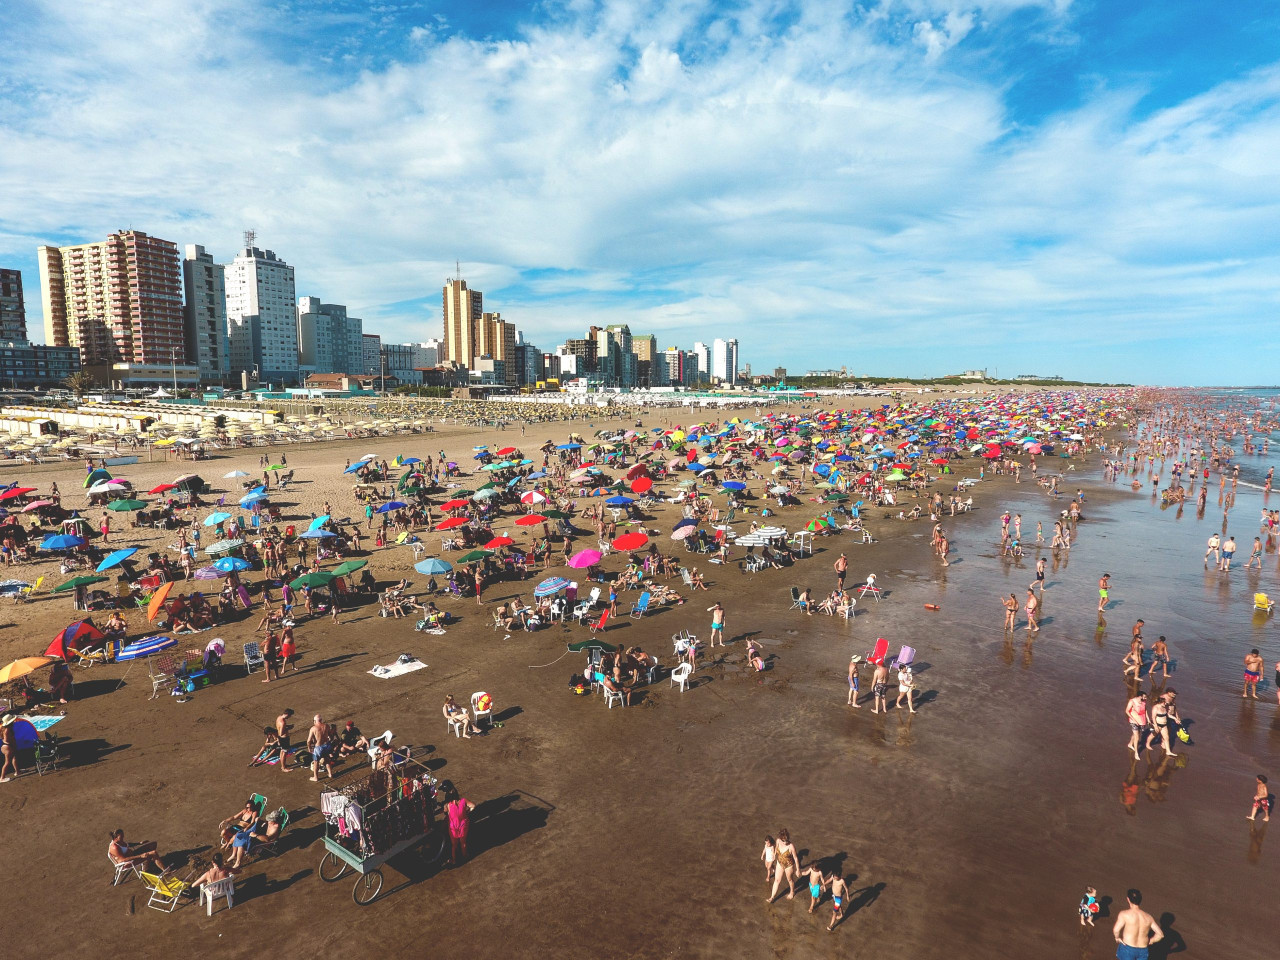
(367, 888)
(435, 847)
(332, 867)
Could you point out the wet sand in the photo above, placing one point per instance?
(969, 829)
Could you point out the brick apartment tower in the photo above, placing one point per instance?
(119, 301)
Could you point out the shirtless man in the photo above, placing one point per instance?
(1134, 930)
(842, 568)
(1033, 610)
(1252, 673)
(879, 688)
(853, 680)
(1135, 711)
(1214, 542)
(318, 744)
(1104, 591)
(1228, 551)
(1010, 612)
(1160, 658)
(283, 727)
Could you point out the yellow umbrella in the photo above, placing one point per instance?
(20, 668)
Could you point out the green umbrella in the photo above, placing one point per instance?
(77, 582)
(837, 497)
(486, 486)
(585, 644)
(276, 466)
(475, 555)
(126, 504)
(350, 566)
(320, 579)
(461, 493)
(410, 491)
(554, 514)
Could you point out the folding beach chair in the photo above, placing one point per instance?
(641, 606)
(906, 656)
(881, 651)
(253, 657)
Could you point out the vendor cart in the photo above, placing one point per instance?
(398, 811)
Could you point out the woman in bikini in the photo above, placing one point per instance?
(1159, 730)
(788, 866)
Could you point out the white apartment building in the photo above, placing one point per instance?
(262, 318)
(724, 360)
(700, 357)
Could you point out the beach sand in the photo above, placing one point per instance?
(968, 830)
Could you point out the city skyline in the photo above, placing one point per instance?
(1005, 185)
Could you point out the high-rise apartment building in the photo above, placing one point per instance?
(497, 341)
(645, 348)
(329, 341)
(372, 353)
(398, 360)
(724, 361)
(429, 353)
(584, 353)
(700, 356)
(262, 317)
(205, 314)
(119, 300)
(13, 309)
(463, 310)
(615, 358)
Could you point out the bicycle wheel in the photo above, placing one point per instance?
(435, 847)
(328, 863)
(367, 888)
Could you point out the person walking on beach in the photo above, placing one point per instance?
(1033, 608)
(1135, 712)
(1261, 800)
(788, 867)
(842, 568)
(1252, 673)
(1039, 580)
(1104, 590)
(1255, 554)
(853, 680)
(1135, 930)
(817, 883)
(1010, 612)
(769, 855)
(1159, 657)
(879, 688)
(839, 891)
(1214, 543)
(717, 623)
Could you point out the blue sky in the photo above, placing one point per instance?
(900, 187)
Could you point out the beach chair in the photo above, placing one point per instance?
(686, 576)
(641, 606)
(263, 848)
(598, 626)
(210, 892)
(609, 695)
(89, 657)
(46, 756)
(162, 671)
(906, 656)
(24, 594)
(871, 588)
(1263, 602)
(253, 657)
(165, 891)
(680, 675)
(124, 869)
(477, 711)
(497, 620)
(682, 641)
(881, 651)
(795, 599)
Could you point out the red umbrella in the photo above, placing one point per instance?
(630, 541)
(531, 520)
(456, 504)
(938, 462)
(506, 451)
(639, 470)
(16, 492)
(497, 542)
(451, 523)
(163, 488)
(641, 484)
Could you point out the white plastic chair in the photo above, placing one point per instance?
(123, 870)
(611, 695)
(210, 892)
(476, 712)
(455, 726)
(680, 675)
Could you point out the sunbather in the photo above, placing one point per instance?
(241, 820)
(145, 854)
(270, 748)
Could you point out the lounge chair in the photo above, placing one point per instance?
(641, 606)
(795, 599)
(906, 656)
(1263, 602)
(253, 657)
(166, 892)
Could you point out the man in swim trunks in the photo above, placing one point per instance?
(283, 727)
(839, 890)
(1252, 673)
(1135, 712)
(1214, 541)
(1039, 580)
(1133, 930)
(853, 680)
(1228, 551)
(879, 688)
(1104, 589)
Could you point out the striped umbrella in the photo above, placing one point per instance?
(549, 586)
(145, 647)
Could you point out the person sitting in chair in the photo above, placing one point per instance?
(241, 820)
(143, 854)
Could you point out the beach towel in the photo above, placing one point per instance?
(399, 668)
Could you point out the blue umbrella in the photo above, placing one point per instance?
(231, 565)
(61, 541)
(569, 446)
(358, 465)
(249, 499)
(433, 565)
(697, 467)
(145, 647)
(536, 475)
(734, 485)
(391, 505)
(549, 586)
(408, 460)
(318, 522)
(213, 519)
(115, 558)
(687, 522)
(316, 535)
(619, 501)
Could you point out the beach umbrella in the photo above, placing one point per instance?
(452, 522)
(230, 476)
(20, 668)
(231, 565)
(591, 643)
(483, 494)
(61, 541)
(37, 504)
(641, 485)
(316, 534)
(433, 565)
(569, 446)
(14, 492)
(619, 501)
(316, 579)
(531, 520)
(734, 485)
(555, 514)
(686, 522)
(818, 523)
(209, 573)
(584, 558)
(497, 542)
(83, 580)
(213, 519)
(455, 504)
(145, 647)
(532, 496)
(680, 533)
(93, 476)
(223, 546)
(549, 586)
(474, 555)
(391, 505)
(249, 499)
(318, 522)
(348, 567)
(406, 461)
(163, 488)
(157, 600)
(120, 506)
(356, 467)
(116, 557)
(630, 541)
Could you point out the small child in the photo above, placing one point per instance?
(839, 890)
(1261, 800)
(817, 882)
(1088, 906)
(770, 856)
(1039, 532)
(753, 656)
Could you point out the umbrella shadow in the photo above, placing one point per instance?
(83, 753)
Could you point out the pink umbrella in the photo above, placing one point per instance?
(585, 558)
(683, 532)
(36, 505)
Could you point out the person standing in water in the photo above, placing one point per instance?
(1252, 673)
(1135, 930)
(1104, 591)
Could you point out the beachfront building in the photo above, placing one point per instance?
(427, 354)
(527, 360)
(583, 354)
(398, 360)
(463, 309)
(497, 340)
(118, 300)
(262, 317)
(615, 355)
(372, 354)
(724, 361)
(204, 316)
(23, 363)
(13, 308)
(700, 356)
(329, 340)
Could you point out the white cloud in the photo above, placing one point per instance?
(682, 169)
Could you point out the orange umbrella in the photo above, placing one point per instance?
(20, 668)
(157, 600)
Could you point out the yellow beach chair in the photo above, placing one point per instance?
(1262, 602)
(165, 891)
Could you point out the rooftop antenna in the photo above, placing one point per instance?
(458, 265)
(249, 238)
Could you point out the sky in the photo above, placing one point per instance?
(900, 187)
